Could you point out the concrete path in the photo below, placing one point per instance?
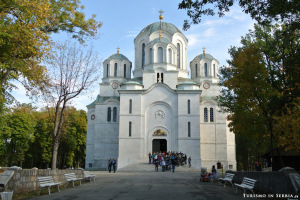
(147, 184)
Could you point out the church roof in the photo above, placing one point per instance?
(188, 83)
(163, 40)
(167, 27)
(132, 83)
(205, 56)
(101, 99)
(117, 56)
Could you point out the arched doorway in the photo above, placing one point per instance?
(159, 145)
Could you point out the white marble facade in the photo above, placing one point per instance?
(161, 107)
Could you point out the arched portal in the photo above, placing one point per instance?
(159, 145)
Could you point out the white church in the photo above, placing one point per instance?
(161, 108)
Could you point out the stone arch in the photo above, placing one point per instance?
(155, 120)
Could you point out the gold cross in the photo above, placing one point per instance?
(203, 50)
(118, 50)
(161, 12)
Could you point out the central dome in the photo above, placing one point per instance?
(167, 27)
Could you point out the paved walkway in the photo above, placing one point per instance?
(144, 183)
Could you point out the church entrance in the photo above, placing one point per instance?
(159, 145)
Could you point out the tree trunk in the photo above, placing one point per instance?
(54, 153)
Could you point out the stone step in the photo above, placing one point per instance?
(143, 165)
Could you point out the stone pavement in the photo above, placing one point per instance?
(140, 181)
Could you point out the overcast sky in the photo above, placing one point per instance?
(124, 19)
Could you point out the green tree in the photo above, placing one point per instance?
(25, 38)
(40, 152)
(19, 132)
(264, 12)
(261, 85)
(71, 152)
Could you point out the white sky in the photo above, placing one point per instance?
(124, 19)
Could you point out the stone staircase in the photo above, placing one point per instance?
(144, 166)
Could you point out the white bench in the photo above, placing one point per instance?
(89, 176)
(47, 182)
(228, 178)
(247, 184)
(71, 177)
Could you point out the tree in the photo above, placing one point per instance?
(19, 131)
(73, 70)
(73, 139)
(40, 152)
(261, 85)
(25, 38)
(264, 12)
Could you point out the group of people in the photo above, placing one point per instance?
(112, 163)
(168, 160)
(205, 176)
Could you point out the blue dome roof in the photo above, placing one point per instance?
(163, 40)
(205, 56)
(117, 56)
(167, 27)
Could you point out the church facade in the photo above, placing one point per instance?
(161, 108)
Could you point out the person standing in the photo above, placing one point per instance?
(156, 165)
(109, 165)
(114, 164)
(190, 160)
(150, 157)
(173, 164)
(163, 165)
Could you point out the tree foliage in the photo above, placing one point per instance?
(26, 139)
(264, 12)
(25, 27)
(261, 86)
(17, 134)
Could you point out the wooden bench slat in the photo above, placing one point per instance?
(247, 183)
(228, 178)
(71, 177)
(47, 182)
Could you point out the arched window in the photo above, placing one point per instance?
(178, 55)
(170, 56)
(129, 129)
(116, 69)
(196, 70)
(157, 78)
(214, 70)
(160, 55)
(205, 115)
(189, 129)
(150, 55)
(115, 114)
(189, 106)
(107, 70)
(162, 77)
(130, 106)
(205, 69)
(108, 114)
(211, 114)
(143, 54)
(124, 70)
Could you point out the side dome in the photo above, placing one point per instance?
(205, 56)
(117, 56)
(167, 27)
(117, 67)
